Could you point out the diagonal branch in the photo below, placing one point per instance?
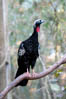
(24, 76)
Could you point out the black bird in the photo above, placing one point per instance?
(28, 53)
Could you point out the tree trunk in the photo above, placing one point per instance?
(4, 47)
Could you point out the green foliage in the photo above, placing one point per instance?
(57, 73)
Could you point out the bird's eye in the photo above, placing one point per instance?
(40, 20)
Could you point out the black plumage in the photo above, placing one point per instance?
(28, 53)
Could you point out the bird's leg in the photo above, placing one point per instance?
(28, 73)
(33, 73)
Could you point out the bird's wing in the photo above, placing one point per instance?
(28, 45)
(21, 50)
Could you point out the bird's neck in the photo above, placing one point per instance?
(36, 30)
(35, 36)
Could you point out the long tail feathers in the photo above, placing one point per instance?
(23, 82)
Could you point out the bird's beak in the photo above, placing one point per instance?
(42, 21)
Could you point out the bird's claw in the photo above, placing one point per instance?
(29, 75)
(34, 74)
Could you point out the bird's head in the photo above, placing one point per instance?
(37, 24)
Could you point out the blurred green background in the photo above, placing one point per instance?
(52, 38)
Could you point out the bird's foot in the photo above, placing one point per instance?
(34, 74)
(28, 73)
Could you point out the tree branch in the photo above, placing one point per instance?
(24, 76)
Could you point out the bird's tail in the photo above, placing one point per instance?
(23, 82)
